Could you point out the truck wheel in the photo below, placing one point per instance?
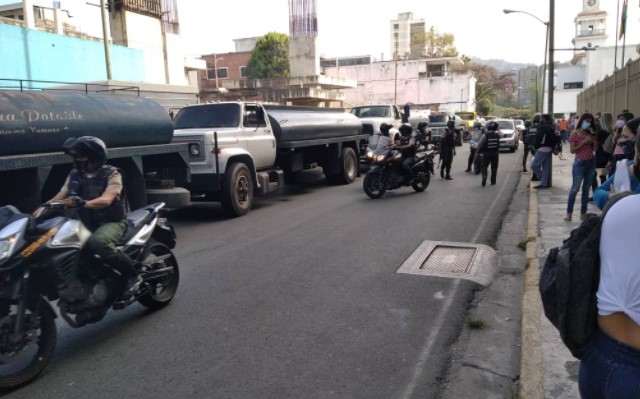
(348, 168)
(237, 195)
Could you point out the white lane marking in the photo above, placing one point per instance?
(439, 320)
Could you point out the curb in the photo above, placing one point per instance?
(531, 361)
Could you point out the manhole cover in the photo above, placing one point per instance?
(454, 260)
(450, 259)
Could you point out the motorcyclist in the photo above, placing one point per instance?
(96, 189)
(447, 150)
(489, 147)
(407, 146)
(384, 140)
(476, 133)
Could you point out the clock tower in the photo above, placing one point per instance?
(591, 25)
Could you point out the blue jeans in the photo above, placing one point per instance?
(583, 170)
(541, 166)
(609, 369)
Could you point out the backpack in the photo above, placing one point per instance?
(569, 283)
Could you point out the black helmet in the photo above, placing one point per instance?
(422, 126)
(536, 118)
(492, 126)
(405, 129)
(451, 124)
(527, 124)
(384, 129)
(86, 146)
(477, 126)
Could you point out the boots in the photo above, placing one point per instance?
(123, 264)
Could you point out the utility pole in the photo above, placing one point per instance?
(395, 79)
(551, 27)
(105, 37)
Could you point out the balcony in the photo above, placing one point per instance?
(591, 33)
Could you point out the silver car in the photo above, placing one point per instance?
(510, 138)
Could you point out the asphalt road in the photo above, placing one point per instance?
(298, 299)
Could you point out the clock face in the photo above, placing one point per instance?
(591, 3)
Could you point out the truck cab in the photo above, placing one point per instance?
(438, 124)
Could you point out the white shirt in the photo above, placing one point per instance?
(619, 289)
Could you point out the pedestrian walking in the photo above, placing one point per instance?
(563, 126)
(489, 147)
(544, 142)
(476, 133)
(532, 133)
(582, 142)
(447, 150)
(524, 136)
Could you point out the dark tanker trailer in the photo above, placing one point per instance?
(136, 130)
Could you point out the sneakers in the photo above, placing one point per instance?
(524, 170)
(448, 178)
(484, 182)
(567, 218)
(468, 170)
(540, 186)
(441, 173)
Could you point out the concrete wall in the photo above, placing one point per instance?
(303, 57)
(377, 84)
(600, 63)
(36, 55)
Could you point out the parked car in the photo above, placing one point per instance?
(510, 136)
(519, 125)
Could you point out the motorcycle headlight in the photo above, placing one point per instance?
(378, 158)
(7, 246)
(369, 154)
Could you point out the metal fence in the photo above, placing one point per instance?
(615, 93)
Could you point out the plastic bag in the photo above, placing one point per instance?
(621, 181)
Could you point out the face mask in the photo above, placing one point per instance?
(586, 125)
(619, 123)
(628, 146)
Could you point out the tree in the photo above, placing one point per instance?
(270, 57)
(492, 87)
(439, 45)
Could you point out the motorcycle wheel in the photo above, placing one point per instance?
(373, 185)
(421, 183)
(24, 360)
(160, 290)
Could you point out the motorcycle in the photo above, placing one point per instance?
(43, 259)
(386, 173)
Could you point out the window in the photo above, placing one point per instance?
(243, 71)
(435, 70)
(206, 116)
(573, 85)
(254, 116)
(396, 26)
(223, 73)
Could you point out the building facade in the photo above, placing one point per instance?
(402, 36)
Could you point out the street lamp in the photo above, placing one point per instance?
(546, 50)
(215, 68)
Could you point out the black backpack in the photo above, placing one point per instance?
(569, 283)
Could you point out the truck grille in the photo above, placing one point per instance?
(367, 128)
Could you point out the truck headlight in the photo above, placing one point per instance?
(194, 149)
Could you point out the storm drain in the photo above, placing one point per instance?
(558, 198)
(453, 260)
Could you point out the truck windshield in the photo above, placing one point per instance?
(371, 112)
(437, 118)
(467, 116)
(205, 116)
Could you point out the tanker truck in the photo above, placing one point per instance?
(238, 150)
(136, 130)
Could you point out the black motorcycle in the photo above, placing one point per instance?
(386, 172)
(43, 259)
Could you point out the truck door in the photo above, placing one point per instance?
(259, 136)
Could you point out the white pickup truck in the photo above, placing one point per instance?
(241, 149)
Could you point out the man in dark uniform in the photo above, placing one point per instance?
(524, 136)
(447, 150)
(532, 133)
(489, 147)
(95, 188)
(407, 146)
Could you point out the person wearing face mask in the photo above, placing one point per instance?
(618, 151)
(96, 190)
(582, 142)
(610, 366)
(607, 191)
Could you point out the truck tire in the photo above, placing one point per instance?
(237, 190)
(348, 168)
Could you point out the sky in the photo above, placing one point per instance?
(362, 27)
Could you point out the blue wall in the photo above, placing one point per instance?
(37, 55)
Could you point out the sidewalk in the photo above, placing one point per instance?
(547, 367)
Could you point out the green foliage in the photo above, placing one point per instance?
(475, 323)
(270, 57)
(515, 113)
(439, 45)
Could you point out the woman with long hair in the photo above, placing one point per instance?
(582, 143)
